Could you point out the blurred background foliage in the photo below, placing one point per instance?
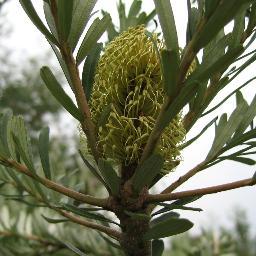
(23, 229)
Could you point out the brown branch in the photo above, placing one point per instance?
(201, 191)
(108, 231)
(57, 187)
(184, 178)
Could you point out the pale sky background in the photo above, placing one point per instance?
(26, 41)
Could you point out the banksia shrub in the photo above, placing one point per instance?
(127, 97)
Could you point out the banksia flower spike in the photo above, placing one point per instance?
(128, 83)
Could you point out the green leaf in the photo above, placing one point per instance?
(104, 115)
(163, 217)
(50, 20)
(205, 72)
(224, 13)
(210, 7)
(89, 69)
(189, 142)
(249, 115)
(157, 247)
(92, 169)
(110, 176)
(44, 151)
(243, 160)
(239, 26)
(186, 200)
(225, 129)
(28, 162)
(81, 15)
(4, 120)
(193, 20)
(166, 18)
(137, 215)
(134, 9)
(122, 16)
(65, 9)
(87, 214)
(186, 94)
(74, 249)
(32, 14)
(170, 227)
(57, 91)
(252, 18)
(50, 220)
(170, 67)
(62, 63)
(93, 34)
(145, 173)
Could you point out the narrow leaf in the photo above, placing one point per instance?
(32, 14)
(110, 176)
(243, 160)
(65, 9)
(224, 13)
(170, 67)
(89, 68)
(200, 133)
(50, 220)
(166, 18)
(57, 91)
(145, 173)
(170, 227)
(94, 33)
(44, 151)
(74, 249)
(81, 14)
(157, 247)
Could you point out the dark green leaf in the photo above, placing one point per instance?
(210, 7)
(31, 12)
(170, 67)
(184, 97)
(81, 14)
(166, 18)
(243, 160)
(92, 169)
(134, 9)
(87, 214)
(50, 21)
(74, 249)
(200, 134)
(193, 20)
(90, 65)
(65, 9)
(110, 176)
(252, 18)
(104, 116)
(137, 215)
(62, 63)
(50, 220)
(44, 151)
(58, 92)
(157, 247)
(4, 120)
(170, 227)
(224, 13)
(186, 200)
(94, 33)
(122, 16)
(164, 217)
(146, 172)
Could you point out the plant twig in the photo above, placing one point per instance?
(57, 187)
(108, 231)
(184, 178)
(201, 191)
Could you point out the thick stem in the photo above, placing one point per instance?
(131, 239)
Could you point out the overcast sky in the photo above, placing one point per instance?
(26, 41)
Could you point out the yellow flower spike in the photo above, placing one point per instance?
(129, 78)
